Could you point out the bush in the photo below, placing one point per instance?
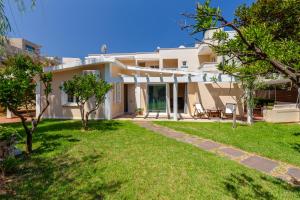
(8, 138)
(8, 165)
(260, 102)
(7, 133)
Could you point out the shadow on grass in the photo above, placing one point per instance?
(62, 178)
(296, 146)
(71, 125)
(242, 186)
(53, 133)
(296, 134)
(52, 142)
(61, 125)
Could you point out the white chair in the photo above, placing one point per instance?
(199, 110)
(229, 109)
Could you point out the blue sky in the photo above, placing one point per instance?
(75, 28)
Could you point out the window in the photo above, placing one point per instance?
(29, 48)
(184, 64)
(67, 100)
(117, 89)
(142, 64)
(95, 72)
(71, 99)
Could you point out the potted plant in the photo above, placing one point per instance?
(139, 111)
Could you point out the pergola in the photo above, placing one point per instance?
(173, 78)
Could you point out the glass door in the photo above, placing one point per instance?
(157, 98)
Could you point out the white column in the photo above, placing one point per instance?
(175, 105)
(168, 99)
(108, 99)
(9, 114)
(161, 63)
(137, 92)
(37, 99)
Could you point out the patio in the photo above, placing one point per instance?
(181, 117)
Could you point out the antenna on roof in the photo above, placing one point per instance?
(104, 49)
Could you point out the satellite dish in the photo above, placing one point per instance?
(104, 48)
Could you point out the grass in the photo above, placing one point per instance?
(276, 141)
(120, 160)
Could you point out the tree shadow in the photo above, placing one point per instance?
(105, 125)
(296, 146)
(296, 134)
(64, 177)
(51, 142)
(71, 125)
(242, 186)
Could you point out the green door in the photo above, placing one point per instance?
(157, 98)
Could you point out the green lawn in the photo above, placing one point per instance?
(120, 160)
(277, 141)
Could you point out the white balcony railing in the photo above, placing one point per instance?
(209, 67)
(86, 61)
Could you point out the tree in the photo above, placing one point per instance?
(267, 34)
(18, 82)
(86, 88)
(266, 41)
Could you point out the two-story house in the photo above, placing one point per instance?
(167, 82)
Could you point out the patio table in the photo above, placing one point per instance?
(214, 113)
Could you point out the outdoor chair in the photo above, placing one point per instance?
(229, 109)
(199, 110)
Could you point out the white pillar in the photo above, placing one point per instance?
(175, 105)
(9, 114)
(168, 99)
(108, 99)
(37, 99)
(161, 63)
(137, 92)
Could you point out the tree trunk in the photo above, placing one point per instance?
(81, 107)
(86, 122)
(249, 102)
(85, 126)
(234, 118)
(29, 142)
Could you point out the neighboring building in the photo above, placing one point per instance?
(166, 82)
(15, 46)
(20, 45)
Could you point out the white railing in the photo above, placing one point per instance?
(63, 66)
(208, 66)
(86, 61)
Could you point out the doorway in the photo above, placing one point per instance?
(181, 97)
(157, 98)
(125, 98)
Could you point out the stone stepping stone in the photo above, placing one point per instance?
(294, 172)
(192, 140)
(175, 135)
(232, 152)
(261, 164)
(208, 145)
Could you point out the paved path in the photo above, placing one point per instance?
(274, 168)
(4, 120)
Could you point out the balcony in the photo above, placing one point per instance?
(209, 67)
(86, 61)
